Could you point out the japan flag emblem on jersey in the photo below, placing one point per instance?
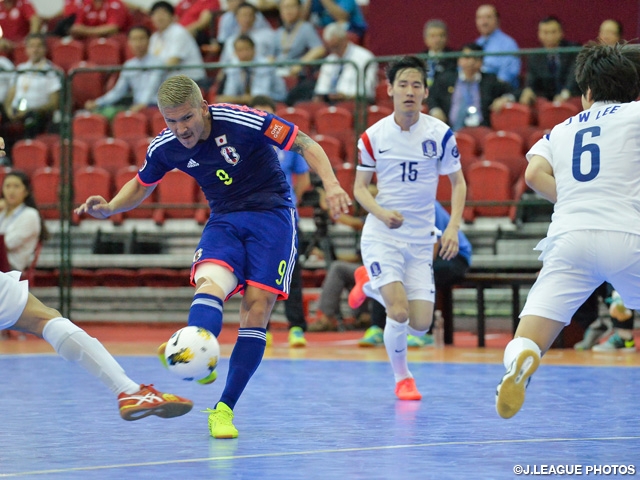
(230, 155)
(221, 140)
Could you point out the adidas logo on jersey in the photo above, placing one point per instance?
(192, 163)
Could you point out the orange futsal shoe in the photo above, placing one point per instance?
(406, 390)
(148, 401)
(356, 295)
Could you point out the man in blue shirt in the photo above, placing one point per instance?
(249, 243)
(323, 12)
(492, 39)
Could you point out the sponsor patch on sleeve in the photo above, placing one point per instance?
(277, 130)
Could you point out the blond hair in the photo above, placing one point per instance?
(178, 90)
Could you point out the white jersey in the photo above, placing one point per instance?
(407, 165)
(595, 157)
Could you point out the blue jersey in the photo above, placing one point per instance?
(442, 220)
(236, 167)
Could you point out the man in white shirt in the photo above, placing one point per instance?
(338, 81)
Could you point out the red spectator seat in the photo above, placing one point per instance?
(89, 127)
(19, 54)
(382, 97)
(333, 119)
(176, 188)
(211, 94)
(506, 148)
(118, 277)
(90, 181)
(512, 116)
(332, 147)
(298, 116)
(45, 182)
(111, 154)
(311, 107)
(122, 176)
(157, 123)
(80, 153)
(479, 133)
(375, 113)
(163, 277)
(536, 135)
(104, 51)
(67, 53)
(346, 177)
(86, 85)
(29, 155)
(140, 150)
(467, 147)
(443, 193)
(489, 181)
(129, 124)
(50, 139)
(551, 114)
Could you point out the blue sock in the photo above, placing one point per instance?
(244, 361)
(206, 312)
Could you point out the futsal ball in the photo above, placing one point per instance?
(192, 353)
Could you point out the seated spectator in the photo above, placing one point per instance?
(101, 18)
(296, 39)
(174, 45)
(338, 81)
(228, 27)
(196, 16)
(324, 12)
(466, 98)
(610, 32)
(243, 83)
(34, 95)
(18, 19)
(551, 76)
(6, 76)
(492, 39)
(69, 12)
(21, 226)
(135, 90)
(436, 35)
(264, 39)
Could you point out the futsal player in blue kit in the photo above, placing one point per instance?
(249, 243)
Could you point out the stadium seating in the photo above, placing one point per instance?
(86, 85)
(80, 153)
(122, 176)
(488, 182)
(176, 188)
(111, 154)
(332, 147)
(157, 123)
(512, 116)
(467, 148)
(298, 116)
(89, 181)
(29, 155)
(376, 113)
(104, 51)
(67, 53)
(552, 113)
(89, 127)
(506, 148)
(45, 182)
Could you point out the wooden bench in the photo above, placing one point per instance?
(481, 281)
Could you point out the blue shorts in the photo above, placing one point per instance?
(259, 247)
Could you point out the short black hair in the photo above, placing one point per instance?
(404, 63)
(262, 100)
(609, 71)
(244, 38)
(162, 5)
(144, 28)
(549, 19)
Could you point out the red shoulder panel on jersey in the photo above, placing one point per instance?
(367, 144)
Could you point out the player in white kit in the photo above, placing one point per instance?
(589, 166)
(407, 151)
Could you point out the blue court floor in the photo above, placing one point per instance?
(317, 419)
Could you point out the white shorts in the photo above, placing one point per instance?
(13, 298)
(576, 263)
(392, 261)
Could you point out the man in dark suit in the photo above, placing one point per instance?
(551, 76)
(465, 98)
(436, 36)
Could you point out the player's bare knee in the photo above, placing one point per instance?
(399, 313)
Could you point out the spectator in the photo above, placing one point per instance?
(142, 85)
(551, 76)
(298, 178)
(264, 39)
(466, 98)
(436, 35)
(492, 39)
(69, 12)
(34, 95)
(18, 19)
(228, 27)
(6, 76)
(296, 39)
(101, 18)
(196, 16)
(610, 32)
(21, 226)
(338, 81)
(325, 12)
(242, 83)
(174, 45)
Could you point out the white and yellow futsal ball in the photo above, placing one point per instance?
(192, 353)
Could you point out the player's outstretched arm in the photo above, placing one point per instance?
(337, 199)
(130, 196)
(539, 176)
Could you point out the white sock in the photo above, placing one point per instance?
(517, 345)
(395, 341)
(75, 345)
(416, 333)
